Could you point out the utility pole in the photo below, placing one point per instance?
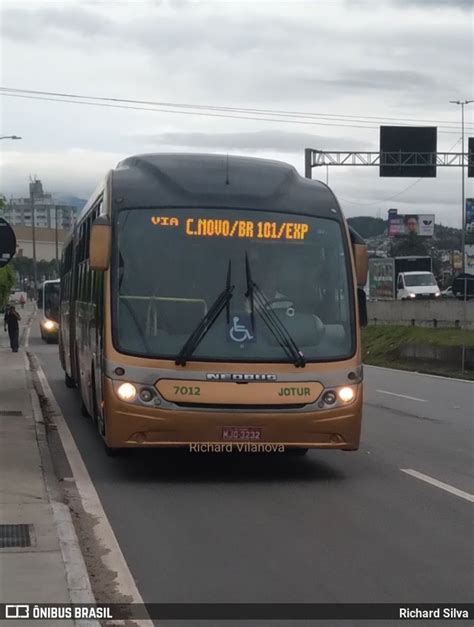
(56, 235)
(462, 103)
(33, 237)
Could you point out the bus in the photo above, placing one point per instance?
(214, 301)
(48, 301)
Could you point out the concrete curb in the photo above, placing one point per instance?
(79, 586)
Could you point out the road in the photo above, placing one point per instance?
(330, 527)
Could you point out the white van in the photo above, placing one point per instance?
(417, 285)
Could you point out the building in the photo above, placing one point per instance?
(48, 214)
(45, 242)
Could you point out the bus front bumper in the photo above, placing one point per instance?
(130, 425)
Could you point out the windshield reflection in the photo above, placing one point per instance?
(166, 280)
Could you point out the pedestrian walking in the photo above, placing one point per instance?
(11, 321)
(22, 301)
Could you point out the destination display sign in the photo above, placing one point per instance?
(236, 228)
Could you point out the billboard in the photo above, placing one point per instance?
(457, 261)
(401, 225)
(408, 139)
(469, 226)
(381, 278)
(469, 258)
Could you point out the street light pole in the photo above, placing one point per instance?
(33, 237)
(463, 200)
(56, 235)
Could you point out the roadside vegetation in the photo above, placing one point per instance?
(7, 282)
(381, 346)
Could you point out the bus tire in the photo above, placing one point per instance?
(109, 450)
(100, 426)
(296, 451)
(69, 381)
(84, 410)
(112, 452)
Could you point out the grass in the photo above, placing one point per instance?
(381, 344)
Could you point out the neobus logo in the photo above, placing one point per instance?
(219, 376)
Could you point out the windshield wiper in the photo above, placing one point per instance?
(196, 337)
(271, 319)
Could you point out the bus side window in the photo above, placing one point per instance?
(87, 235)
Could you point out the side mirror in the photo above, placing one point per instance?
(362, 304)
(100, 244)
(361, 259)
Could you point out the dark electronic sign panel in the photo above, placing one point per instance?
(411, 148)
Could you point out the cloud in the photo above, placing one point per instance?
(448, 5)
(62, 172)
(39, 22)
(256, 141)
(393, 58)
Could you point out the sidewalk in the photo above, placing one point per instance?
(32, 570)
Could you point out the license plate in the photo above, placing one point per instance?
(242, 433)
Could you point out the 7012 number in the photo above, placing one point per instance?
(184, 390)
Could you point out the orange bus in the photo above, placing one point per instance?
(214, 302)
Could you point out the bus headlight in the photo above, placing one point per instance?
(346, 394)
(49, 325)
(127, 392)
(412, 295)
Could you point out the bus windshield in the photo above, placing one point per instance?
(171, 266)
(51, 301)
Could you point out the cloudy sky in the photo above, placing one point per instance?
(382, 59)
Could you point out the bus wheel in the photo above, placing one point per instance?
(112, 452)
(109, 450)
(84, 410)
(296, 452)
(69, 381)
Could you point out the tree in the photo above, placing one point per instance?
(7, 282)
(24, 267)
(412, 245)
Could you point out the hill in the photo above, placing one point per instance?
(445, 237)
(367, 226)
(69, 199)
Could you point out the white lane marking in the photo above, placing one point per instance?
(114, 558)
(439, 484)
(420, 374)
(410, 398)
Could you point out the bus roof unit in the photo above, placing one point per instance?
(200, 180)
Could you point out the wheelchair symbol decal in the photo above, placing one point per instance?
(239, 332)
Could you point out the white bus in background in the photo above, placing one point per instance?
(48, 301)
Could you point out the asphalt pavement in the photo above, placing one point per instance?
(390, 523)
